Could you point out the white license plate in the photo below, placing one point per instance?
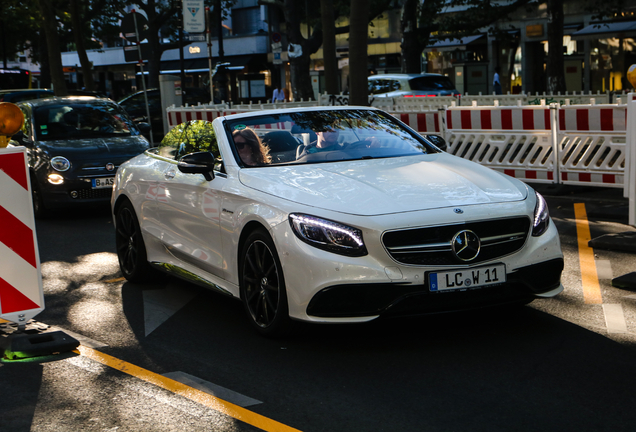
(101, 183)
(467, 278)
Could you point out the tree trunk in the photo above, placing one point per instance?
(87, 70)
(329, 46)
(411, 51)
(358, 58)
(554, 68)
(300, 79)
(45, 70)
(53, 42)
(299, 51)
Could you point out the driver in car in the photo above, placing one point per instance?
(326, 141)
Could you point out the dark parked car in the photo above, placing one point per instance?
(75, 145)
(19, 95)
(135, 106)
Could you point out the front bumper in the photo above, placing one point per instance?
(325, 287)
(523, 285)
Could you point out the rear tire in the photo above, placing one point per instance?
(262, 286)
(131, 249)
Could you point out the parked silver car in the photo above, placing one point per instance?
(417, 85)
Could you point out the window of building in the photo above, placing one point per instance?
(246, 20)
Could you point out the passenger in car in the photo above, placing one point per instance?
(326, 141)
(250, 148)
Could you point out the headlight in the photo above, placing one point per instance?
(328, 235)
(59, 163)
(55, 179)
(541, 216)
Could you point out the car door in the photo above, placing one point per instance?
(189, 206)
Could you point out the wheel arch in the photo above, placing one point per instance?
(121, 199)
(248, 229)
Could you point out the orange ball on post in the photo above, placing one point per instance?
(11, 120)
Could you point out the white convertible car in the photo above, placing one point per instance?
(331, 215)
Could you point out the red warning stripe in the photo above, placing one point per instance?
(17, 236)
(13, 166)
(13, 300)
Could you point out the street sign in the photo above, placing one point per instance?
(128, 27)
(195, 38)
(193, 16)
(131, 52)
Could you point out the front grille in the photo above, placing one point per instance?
(431, 246)
(94, 193)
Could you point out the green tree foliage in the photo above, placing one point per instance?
(189, 137)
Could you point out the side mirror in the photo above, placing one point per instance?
(437, 141)
(198, 163)
(143, 127)
(21, 139)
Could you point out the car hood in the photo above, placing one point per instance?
(384, 186)
(86, 148)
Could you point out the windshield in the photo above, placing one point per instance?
(322, 136)
(429, 83)
(81, 121)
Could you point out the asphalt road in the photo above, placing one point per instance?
(555, 365)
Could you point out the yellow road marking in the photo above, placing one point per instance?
(119, 279)
(193, 394)
(589, 275)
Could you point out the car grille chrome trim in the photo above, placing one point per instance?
(499, 237)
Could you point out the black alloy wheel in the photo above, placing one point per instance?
(131, 250)
(263, 286)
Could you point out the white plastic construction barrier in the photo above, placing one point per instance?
(178, 115)
(591, 144)
(630, 158)
(514, 140)
(21, 294)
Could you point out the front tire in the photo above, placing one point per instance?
(39, 210)
(263, 286)
(131, 249)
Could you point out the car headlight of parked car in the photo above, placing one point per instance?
(328, 235)
(541, 216)
(60, 163)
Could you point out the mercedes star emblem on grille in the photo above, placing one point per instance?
(466, 245)
(110, 166)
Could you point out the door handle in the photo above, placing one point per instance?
(169, 175)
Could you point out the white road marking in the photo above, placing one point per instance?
(614, 318)
(604, 269)
(212, 389)
(161, 304)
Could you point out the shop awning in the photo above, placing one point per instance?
(452, 44)
(619, 30)
(200, 64)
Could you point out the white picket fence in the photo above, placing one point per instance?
(583, 144)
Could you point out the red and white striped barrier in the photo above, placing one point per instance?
(21, 294)
(424, 122)
(176, 116)
(599, 118)
(526, 118)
